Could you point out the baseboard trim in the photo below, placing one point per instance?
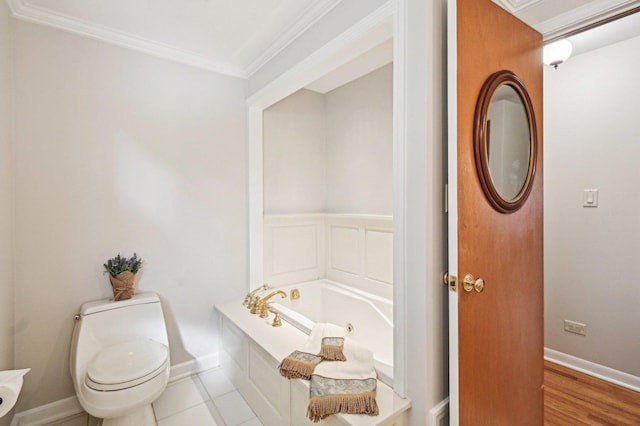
(46, 414)
(439, 415)
(58, 410)
(194, 366)
(607, 374)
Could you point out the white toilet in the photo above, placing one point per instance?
(120, 358)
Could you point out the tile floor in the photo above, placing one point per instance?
(205, 399)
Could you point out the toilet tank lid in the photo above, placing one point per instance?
(102, 305)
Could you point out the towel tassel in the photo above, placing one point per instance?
(321, 407)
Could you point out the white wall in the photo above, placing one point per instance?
(6, 198)
(333, 152)
(118, 151)
(423, 46)
(360, 145)
(295, 159)
(591, 254)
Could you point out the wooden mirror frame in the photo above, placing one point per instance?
(481, 142)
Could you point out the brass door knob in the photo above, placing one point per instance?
(470, 283)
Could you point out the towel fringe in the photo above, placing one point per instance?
(332, 353)
(292, 368)
(321, 407)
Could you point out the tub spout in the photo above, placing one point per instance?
(262, 304)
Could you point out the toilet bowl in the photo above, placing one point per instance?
(120, 358)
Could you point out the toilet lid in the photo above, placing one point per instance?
(118, 366)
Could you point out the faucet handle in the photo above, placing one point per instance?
(277, 322)
(264, 310)
(254, 305)
(249, 297)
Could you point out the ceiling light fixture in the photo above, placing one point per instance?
(555, 53)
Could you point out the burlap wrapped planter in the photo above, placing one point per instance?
(124, 285)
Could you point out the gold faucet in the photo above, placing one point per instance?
(262, 303)
(249, 297)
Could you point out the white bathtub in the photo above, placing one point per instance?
(369, 317)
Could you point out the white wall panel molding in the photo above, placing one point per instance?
(360, 252)
(293, 248)
(355, 250)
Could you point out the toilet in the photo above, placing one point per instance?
(120, 358)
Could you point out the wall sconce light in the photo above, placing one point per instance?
(555, 53)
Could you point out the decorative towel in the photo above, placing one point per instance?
(347, 386)
(344, 387)
(301, 363)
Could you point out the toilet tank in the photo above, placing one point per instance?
(103, 323)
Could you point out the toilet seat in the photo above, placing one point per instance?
(126, 364)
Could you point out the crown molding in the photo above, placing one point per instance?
(27, 12)
(312, 15)
(21, 9)
(514, 6)
(583, 16)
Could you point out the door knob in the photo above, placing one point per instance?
(470, 283)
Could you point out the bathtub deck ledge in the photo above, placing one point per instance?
(281, 341)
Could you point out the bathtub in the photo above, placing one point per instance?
(251, 350)
(367, 318)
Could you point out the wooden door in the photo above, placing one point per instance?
(499, 334)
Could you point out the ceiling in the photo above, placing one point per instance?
(237, 37)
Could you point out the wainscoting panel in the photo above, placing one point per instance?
(360, 249)
(379, 255)
(355, 250)
(344, 249)
(293, 248)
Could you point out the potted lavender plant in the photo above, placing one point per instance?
(122, 274)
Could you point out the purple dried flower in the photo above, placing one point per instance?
(119, 264)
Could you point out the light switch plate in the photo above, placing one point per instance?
(590, 198)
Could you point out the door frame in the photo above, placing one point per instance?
(452, 204)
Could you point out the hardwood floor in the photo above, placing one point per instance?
(572, 399)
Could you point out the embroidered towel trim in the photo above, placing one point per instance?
(351, 396)
(299, 365)
(331, 349)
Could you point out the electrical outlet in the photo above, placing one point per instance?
(575, 327)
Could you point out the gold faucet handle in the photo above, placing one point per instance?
(254, 305)
(277, 322)
(264, 311)
(249, 297)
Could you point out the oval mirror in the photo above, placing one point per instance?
(505, 141)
